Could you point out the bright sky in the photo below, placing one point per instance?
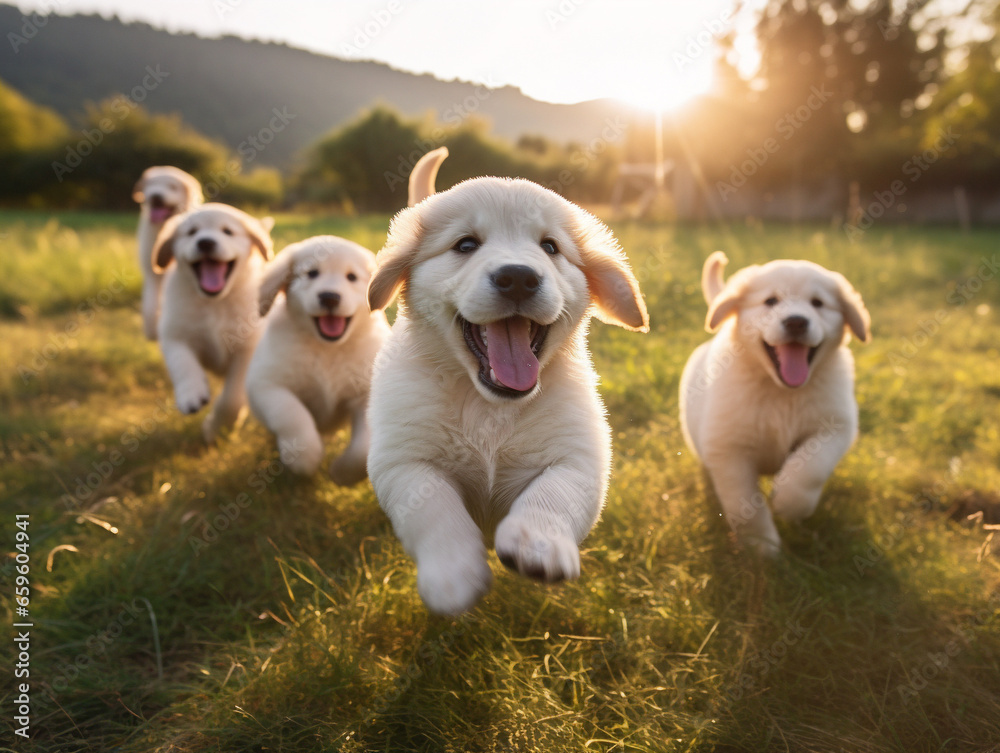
(649, 52)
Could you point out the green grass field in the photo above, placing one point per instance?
(286, 614)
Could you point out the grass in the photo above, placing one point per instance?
(286, 613)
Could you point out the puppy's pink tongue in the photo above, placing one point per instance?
(212, 275)
(793, 359)
(159, 214)
(511, 359)
(331, 326)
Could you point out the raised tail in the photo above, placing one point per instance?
(424, 174)
(712, 281)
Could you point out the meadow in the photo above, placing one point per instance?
(189, 598)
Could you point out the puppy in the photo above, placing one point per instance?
(773, 392)
(209, 318)
(484, 410)
(311, 372)
(161, 193)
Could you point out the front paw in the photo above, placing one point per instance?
(538, 550)
(219, 419)
(192, 396)
(301, 455)
(452, 579)
(794, 501)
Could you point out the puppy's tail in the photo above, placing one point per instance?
(712, 281)
(424, 174)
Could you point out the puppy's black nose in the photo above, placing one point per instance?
(328, 299)
(516, 281)
(796, 325)
(206, 245)
(156, 201)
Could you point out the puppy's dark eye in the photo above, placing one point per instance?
(312, 274)
(467, 245)
(227, 231)
(351, 277)
(549, 246)
(772, 301)
(192, 231)
(817, 303)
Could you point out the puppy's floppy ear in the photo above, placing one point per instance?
(277, 275)
(613, 288)
(260, 235)
(856, 316)
(730, 298)
(723, 306)
(163, 248)
(195, 198)
(393, 262)
(138, 195)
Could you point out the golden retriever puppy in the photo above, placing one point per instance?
(209, 318)
(773, 392)
(161, 193)
(311, 372)
(484, 410)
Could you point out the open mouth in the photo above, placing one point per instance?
(160, 211)
(213, 275)
(792, 361)
(507, 351)
(331, 327)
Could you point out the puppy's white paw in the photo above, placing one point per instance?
(454, 578)
(793, 502)
(762, 545)
(544, 552)
(192, 396)
(301, 455)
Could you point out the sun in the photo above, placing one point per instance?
(668, 92)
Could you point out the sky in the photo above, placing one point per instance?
(655, 53)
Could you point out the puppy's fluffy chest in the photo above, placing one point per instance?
(328, 377)
(490, 450)
(216, 329)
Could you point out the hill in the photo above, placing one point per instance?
(228, 88)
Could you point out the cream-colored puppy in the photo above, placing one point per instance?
(311, 372)
(773, 391)
(484, 411)
(209, 319)
(161, 192)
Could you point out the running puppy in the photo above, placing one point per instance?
(161, 193)
(485, 415)
(773, 392)
(311, 372)
(209, 319)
